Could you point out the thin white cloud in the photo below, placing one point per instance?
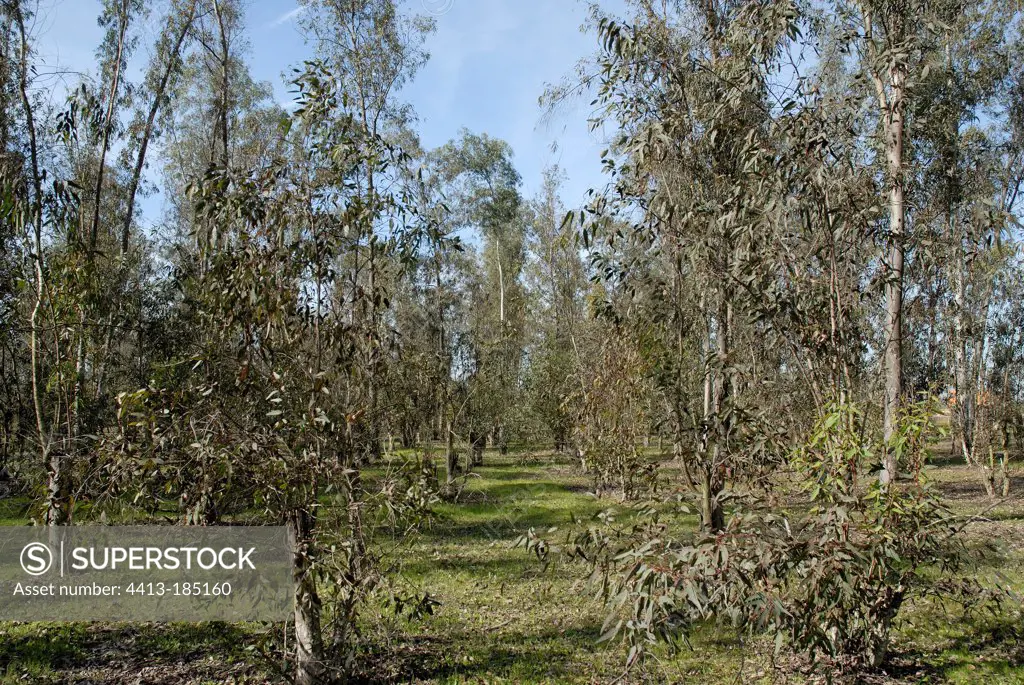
(288, 16)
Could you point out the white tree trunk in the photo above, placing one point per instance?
(894, 274)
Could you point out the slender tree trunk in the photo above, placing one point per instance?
(346, 609)
(988, 474)
(501, 285)
(108, 121)
(56, 502)
(1004, 462)
(710, 475)
(408, 435)
(963, 406)
(451, 456)
(309, 648)
(58, 492)
(503, 363)
(225, 66)
(147, 133)
(894, 274)
(712, 516)
(373, 365)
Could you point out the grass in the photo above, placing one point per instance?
(14, 511)
(502, 618)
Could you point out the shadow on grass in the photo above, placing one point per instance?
(39, 647)
(512, 563)
(503, 525)
(983, 647)
(44, 652)
(176, 641)
(502, 493)
(508, 472)
(945, 459)
(501, 511)
(545, 656)
(520, 490)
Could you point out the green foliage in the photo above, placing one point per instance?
(610, 418)
(408, 493)
(321, 285)
(827, 580)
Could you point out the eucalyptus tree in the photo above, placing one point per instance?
(184, 325)
(24, 203)
(687, 88)
(15, 417)
(433, 310)
(970, 104)
(1003, 397)
(556, 279)
(83, 293)
(897, 44)
(96, 281)
(129, 310)
(374, 49)
(211, 103)
(220, 33)
(258, 410)
(738, 231)
(43, 204)
(482, 185)
(121, 359)
(610, 410)
(116, 18)
(164, 70)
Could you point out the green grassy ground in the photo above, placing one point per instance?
(502, 618)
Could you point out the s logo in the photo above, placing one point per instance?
(36, 558)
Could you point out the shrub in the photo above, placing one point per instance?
(827, 580)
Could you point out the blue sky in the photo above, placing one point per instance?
(490, 60)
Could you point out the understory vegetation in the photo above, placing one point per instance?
(500, 616)
(750, 411)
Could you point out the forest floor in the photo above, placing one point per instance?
(504, 618)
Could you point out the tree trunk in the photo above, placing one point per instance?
(711, 485)
(154, 107)
(225, 65)
(309, 648)
(476, 443)
(988, 479)
(107, 125)
(203, 511)
(879, 637)
(451, 456)
(342, 647)
(894, 275)
(501, 286)
(712, 516)
(45, 448)
(1004, 461)
(963, 407)
(58, 492)
(499, 437)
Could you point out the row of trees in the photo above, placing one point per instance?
(316, 288)
(810, 205)
(810, 218)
